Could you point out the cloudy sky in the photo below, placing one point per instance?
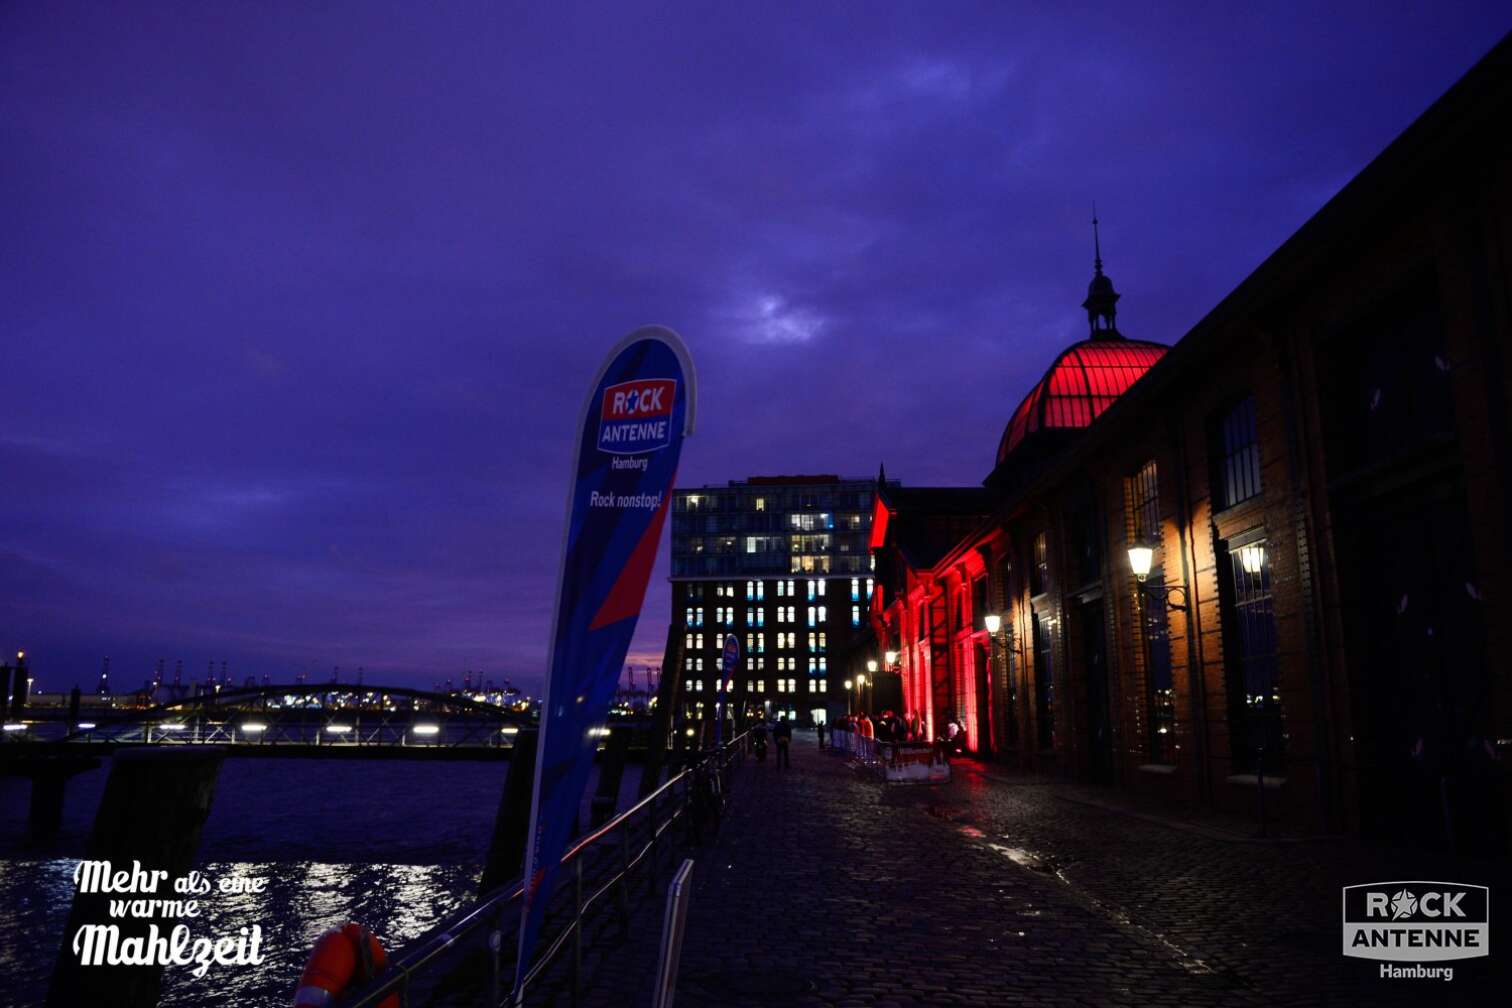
(298, 301)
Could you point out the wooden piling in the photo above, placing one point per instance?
(663, 716)
(49, 774)
(506, 850)
(611, 773)
(154, 806)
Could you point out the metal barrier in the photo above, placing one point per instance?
(672, 935)
(920, 762)
(604, 862)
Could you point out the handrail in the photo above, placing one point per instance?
(575, 927)
(405, 964)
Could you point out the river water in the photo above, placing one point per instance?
(396, 845)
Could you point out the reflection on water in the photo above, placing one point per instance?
(397, 846)
(398, 902)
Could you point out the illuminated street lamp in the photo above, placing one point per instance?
(871, 666)
(891, 658)
(849, 685)
(993, 622)
(1141, 558)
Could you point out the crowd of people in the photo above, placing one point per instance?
(889, 726)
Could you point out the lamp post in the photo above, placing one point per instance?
(849, 685)
(992, 623)
(861, 684)
(1141, 557)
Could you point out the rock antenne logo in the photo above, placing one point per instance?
(636, 416)
(1417, 921)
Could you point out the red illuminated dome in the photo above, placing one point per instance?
(1083, 381)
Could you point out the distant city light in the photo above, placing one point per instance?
(253, 727)
(426, 729)
(15, 727)
(85, 725)
(509, 730)
(172, 726)
(598, 731)
(338, 729)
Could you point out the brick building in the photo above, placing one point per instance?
(783, 563)
(1313, 482)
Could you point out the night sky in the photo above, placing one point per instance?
(299, 302)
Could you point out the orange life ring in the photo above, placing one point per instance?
(341, 958)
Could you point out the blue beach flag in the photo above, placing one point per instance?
(638, 412)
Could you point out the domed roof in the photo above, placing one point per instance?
(1083, 382)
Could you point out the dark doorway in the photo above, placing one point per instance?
(1413, 619)
(1418, 630)
(1099, 723)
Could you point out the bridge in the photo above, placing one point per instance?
(297, 720)
(328, 721)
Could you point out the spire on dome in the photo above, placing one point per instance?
(1102, 299)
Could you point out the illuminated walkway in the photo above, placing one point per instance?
(827, 889)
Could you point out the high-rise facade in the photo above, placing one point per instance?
(783, 563)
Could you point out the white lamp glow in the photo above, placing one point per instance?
(993, 622)
(1252, 558)
(1140, 558)
(891, 657)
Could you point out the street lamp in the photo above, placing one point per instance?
(993, 622)
(1141, 557)
(871, 666)
(849, 685)
(891, 658)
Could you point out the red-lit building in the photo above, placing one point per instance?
(1313, 484)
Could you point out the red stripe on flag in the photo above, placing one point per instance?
(629, 591)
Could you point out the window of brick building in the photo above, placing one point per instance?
(1160, 687)
(1143, 490)
(1083, 537)
(1044, 683)
(1039, 570)
(1236, 456)
(1256, 726)
(1011, 662)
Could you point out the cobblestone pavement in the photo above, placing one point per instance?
(827, 888)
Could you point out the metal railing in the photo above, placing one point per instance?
(466, 959)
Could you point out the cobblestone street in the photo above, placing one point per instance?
(825, 888)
